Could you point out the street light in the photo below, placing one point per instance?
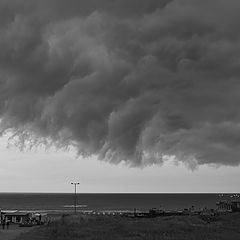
(75, 195)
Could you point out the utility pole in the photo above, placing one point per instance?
(75, 195)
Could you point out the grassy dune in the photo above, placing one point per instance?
(120, 228)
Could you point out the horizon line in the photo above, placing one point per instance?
(20, 192)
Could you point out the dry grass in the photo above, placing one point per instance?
(120, 228)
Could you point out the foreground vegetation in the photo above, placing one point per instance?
(121, 228)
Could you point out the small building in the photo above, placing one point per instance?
(40, 218)
(235, 206)
(228, 206)
(224, 206)
(17, 217)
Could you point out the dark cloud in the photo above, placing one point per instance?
(134, 81)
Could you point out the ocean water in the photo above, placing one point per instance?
(64, 202)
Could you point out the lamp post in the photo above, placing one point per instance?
(75, 195)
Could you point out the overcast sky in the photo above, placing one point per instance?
(136, 95)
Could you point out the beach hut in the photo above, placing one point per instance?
(224, 206)
(235, 206)
(17, 217)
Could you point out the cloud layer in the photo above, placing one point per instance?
(135, 81)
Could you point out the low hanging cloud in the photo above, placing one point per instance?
(135, 81)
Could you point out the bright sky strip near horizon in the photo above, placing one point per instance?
(128, 84)
(52, 171)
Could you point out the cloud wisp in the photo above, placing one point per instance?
(135, 81)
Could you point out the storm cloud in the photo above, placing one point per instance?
(135, 81)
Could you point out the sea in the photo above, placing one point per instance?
(64, 202)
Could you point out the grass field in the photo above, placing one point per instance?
(121, 228)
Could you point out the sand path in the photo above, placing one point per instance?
(13, 232)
